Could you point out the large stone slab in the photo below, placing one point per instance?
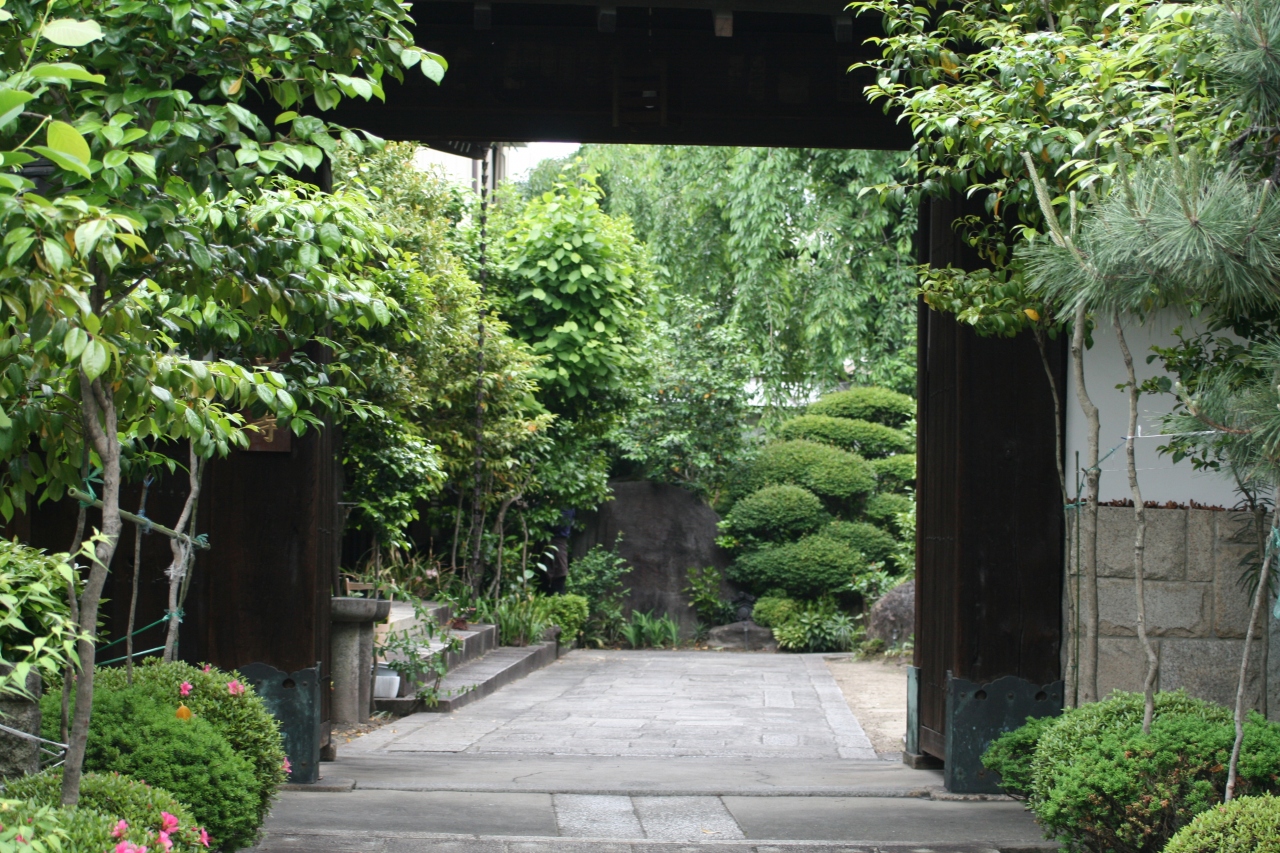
(1121, 664)
(1165, 548)
(1174, 609)
(1209, 669)
(665, 532)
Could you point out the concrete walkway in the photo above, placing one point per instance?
(644, 752)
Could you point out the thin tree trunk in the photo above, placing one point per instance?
(457, 529)
(102, 429)
(137, 574)
(191, 532)
(1259, 599)
(499, 531)
(524, 547)
(1088, 687)
(181, 550)
(73, 604)
(1139, 537)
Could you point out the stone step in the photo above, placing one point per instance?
(479, 678)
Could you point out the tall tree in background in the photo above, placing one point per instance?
(783, 243)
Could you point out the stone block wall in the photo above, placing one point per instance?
(1197, 608)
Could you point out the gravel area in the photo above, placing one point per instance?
(876, 690)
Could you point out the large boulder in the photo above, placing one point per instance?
(893, 618)
(744, 636)
(665, 531)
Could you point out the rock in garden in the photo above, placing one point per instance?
(893, 617)
(743, 636)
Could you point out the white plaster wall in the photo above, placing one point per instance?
(1160, 479)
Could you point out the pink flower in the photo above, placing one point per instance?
(121, 828)
(185, 689)
(129, 847)
(207, 667)
(204, 837)
(288, 768)
(235, 688)
(165, 842)
(168, 823)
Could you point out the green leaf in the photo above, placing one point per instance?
(94, 360)
(64, 71)
(432, 69)
(11, 101)
(74, 343)
(200, 256)
(68, 32)
(65, 139)
(71, 164)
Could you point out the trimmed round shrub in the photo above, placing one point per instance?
(882, 510)
(1244, 825)
(878, 405)
(242, 718)
(775, 514)
(771, 611)
(1099, 783)
(131, 733)
(1010, 755)
(146, 810)
(870, 541)
(895, 473)
(568, 611)
(837, 476)
(862, 437)
(809, 568)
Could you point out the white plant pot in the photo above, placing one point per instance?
(386, 686)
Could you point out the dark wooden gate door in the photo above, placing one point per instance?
(989, 531)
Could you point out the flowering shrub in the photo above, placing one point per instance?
(30, 826)
(236, 712)
(140, 814)
(131, 733)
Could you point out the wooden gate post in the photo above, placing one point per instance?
(989, 532)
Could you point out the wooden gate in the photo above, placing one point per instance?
(989, 528)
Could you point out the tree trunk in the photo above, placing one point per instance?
(181, 550)
(1139, 537)
(133, 596)
(73, 605)
(1087, 562)
(102, 430)
(1259, 599)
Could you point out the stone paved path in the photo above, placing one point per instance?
(648, 704)
(641, 752)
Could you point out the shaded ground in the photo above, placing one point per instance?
(876, 690)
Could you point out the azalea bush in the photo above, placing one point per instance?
(185, 755)
(27, 826)
(140, 814)
(237, 713)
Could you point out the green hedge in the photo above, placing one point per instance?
(775, 514)
(870, 541)
(1244, 825)
(882, 510)
(839, 477)
(570, 612)
(1096, 782)
(772, 611)
(68, 829)
(242, 718)
(896, 472)
(809, 568)
(867, 439)
(133, 734)
(878, 405)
